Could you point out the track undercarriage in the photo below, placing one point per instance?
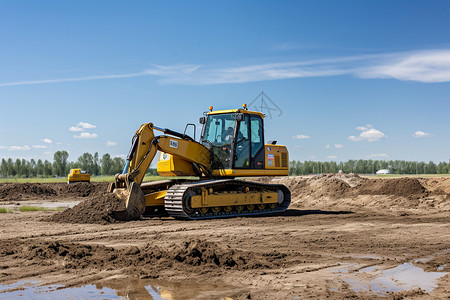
(208, 199)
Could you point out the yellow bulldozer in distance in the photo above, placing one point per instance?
(231, 145)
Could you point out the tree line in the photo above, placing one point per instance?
(368, 167)
(60, 167)
(107, 165)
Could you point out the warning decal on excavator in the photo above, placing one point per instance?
(173, 144)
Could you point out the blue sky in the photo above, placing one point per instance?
(352, 79)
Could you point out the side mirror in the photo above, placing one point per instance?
(202, 120)
(240, 117)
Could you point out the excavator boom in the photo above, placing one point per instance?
(143, 150)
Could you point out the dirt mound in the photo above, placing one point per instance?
(198, 253)
(342, 191)
(82, 189)
(24, 191)
(95, 210)
(405, 187)
(146, 261)
(19, 191)
(437, 185)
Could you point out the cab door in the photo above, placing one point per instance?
(257, 142)
(242, 144)
(249, 143)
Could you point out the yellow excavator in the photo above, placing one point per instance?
(231, 145)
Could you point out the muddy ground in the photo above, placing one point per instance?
(340, 236)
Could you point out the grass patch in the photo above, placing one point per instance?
(4, 210)
(37, 208)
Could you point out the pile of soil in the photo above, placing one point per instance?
(20, 191)
(82, 189)
(405, 187)
(95, 210)
(437, 185)
(351, 190)
(146, 261)
(26, 191)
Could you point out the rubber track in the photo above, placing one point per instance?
(174, 201)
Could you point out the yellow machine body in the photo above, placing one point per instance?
(231, 145)
(76, 175)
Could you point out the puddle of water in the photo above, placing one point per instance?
(42, 204)
(117, 289)
(369, 269)
(30, 290)
(344, 268)
(401, 278)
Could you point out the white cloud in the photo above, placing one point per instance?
(82, 126)
(75, 79)
(3, 147)
(19, 148)
(110, 144)
(327, 146)
(40, 147)
(423, 66)
(121, 156)
(332, 156)
(368, 134)
(48, 141)
(301, 136)
(364, 128)
(75, 129)
(86, 135)
(86, 125)
(420, 134)
(338, 146)
(312, 157)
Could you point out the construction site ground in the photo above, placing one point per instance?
(343, 236)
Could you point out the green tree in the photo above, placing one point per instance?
(4, 168)
(86, 162)
(118, 165)
(431, 168)
(106, 164)
(60, 163)
(96, 165)
(39, 168)
(47, 169)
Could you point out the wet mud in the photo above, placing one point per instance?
(340, 236)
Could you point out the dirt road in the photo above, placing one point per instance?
(343, 236)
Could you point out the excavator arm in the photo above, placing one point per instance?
(143, 150)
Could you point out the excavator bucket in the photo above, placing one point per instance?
(134, 200)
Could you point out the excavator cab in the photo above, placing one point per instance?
(235, 139)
